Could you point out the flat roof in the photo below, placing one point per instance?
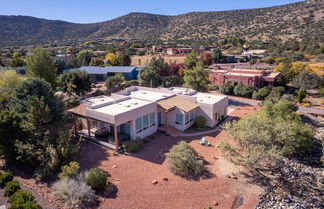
(207, 98)
(122, 106)
(149, 95)
(109, 69)
(93, 101)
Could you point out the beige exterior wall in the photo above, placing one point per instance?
(208, 111)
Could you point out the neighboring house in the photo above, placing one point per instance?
(138, 112)
(100, 74)
(258, 53)
(67, 58)
(256, 78)
(182, 51)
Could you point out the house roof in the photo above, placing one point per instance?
(179, 102)
(79, 110)
(108, 69)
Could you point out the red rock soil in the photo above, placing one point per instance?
(134, 175)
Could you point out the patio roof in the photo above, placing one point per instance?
(179, 102)
(79, 110)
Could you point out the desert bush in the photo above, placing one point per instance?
(200, 122)
(184, 161)
(5, 177)
(132, 146)
(301, 95)
(71, 170)
(321, 92)
(98, 93)
(97, 179)
(23, 200)
(10, 188)
(74, 192)
(227, 88)
(261, 94)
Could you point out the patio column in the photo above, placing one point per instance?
(75, 124)
(88, 126)
(116, 137)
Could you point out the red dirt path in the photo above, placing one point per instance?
(134, 175)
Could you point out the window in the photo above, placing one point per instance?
(94, 124)
(145, 122)
(138, 124)
(191, 116)
(187, 118)
(179, 119)
(215, 116)
(152, 119)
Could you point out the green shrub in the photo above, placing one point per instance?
(132, 146)
(184, 161)
(98, 93)
(261, 94)
(97, 179)
(301, 95)
(74, 192)
(321, 92)
(23, 200)
(71, 170)
(5, 177)
(227, 88)
(248, 91)
(10, 188)
(200, 122)
(238, 89)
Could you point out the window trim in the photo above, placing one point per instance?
(139, 130)
(178, 122)
(148, 122)
(152, 119)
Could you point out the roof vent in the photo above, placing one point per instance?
(164, 96)
(144, 92)
(135, 103)
(127, 105)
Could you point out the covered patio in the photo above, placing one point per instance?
(101, 132)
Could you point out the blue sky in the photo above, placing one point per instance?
(82, 11)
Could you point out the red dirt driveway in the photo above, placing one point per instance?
(134, 175)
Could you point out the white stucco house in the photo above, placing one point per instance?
(138, 112)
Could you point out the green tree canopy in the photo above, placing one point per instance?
(197, 77)
(16, 60)
(115, 82)
(152, 74)
(75, 81)
(217, 56)
(265, 138)
(307, 80)
(40, 64)
(191, 60)
(9, 80)
(84, 57)
(35, 122)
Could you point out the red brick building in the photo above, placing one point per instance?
(257, 78)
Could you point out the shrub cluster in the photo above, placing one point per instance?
(77, 189)
(71, 170)
(184, 161)
(200, 122)
(74, 192)
(261, 94)
(5, 177)
(97, 179)
(132, 146)
(18, 198)
(229, 88)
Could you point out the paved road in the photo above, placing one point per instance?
(236, 101)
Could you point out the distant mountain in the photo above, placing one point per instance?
(303, 20)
